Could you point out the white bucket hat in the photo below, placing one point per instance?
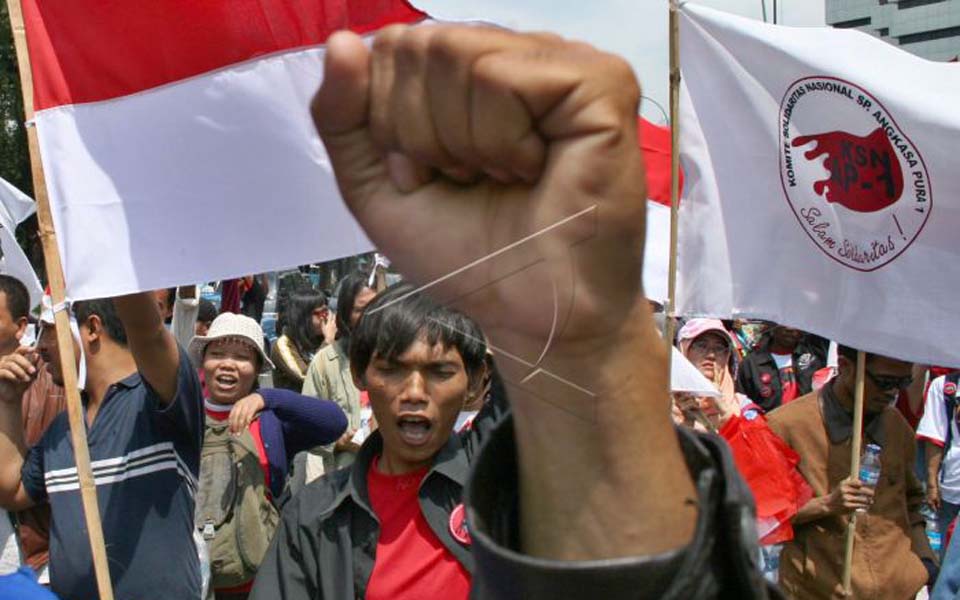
(230, 325)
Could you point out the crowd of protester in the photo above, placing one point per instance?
(391, 423)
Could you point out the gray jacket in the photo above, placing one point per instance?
(325, 546)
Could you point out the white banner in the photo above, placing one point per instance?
(822, 185)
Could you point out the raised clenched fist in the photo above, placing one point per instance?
(503, 168)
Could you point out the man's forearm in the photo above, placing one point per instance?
(814, 510)
(934, 460)
(601, 469)
(153, 347)
(12, 450)
(139, 314)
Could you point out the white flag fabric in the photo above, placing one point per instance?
(822, 185)
(685, 378)
(15, 207)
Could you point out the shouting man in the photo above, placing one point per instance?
(503, 171)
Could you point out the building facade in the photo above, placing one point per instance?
(927, 28)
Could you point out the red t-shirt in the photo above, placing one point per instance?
(788, 377)
(222, 413)
(412, 563)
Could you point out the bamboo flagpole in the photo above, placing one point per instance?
(856, 443)
(670, 325)
(670, 310)
(51, 254)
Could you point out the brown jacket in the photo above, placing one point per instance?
(42, 401)
(890, 537)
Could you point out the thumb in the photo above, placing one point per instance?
(340, 112)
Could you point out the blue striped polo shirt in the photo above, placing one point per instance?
(145, 459)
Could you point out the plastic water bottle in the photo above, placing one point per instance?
(934, 535)
(870, 466)
(770, 562)
(203, 554)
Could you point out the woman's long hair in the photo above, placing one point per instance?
(350, 287)
(298, 319)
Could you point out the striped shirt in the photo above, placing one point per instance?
(145, 458)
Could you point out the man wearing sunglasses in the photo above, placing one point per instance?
(890, 530)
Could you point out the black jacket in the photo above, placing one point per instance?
(759, 379)
(324, 548)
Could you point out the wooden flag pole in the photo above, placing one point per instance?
(670, 310)
(51, 254)
(856, 442)
(670, 325)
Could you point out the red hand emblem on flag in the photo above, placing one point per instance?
(865, 174)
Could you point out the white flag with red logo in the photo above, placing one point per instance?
(822, 184)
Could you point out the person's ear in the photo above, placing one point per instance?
(358, 380)
(475, 384)
(91, 329)
(22, 323)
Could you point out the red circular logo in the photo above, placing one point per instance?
(458, 525)
(950, 389)
(766, 378)
(855, 181)
(766, 392)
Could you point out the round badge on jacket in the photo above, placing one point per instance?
(458, 525)
(766, 391)
(766, 378)
(949, 389)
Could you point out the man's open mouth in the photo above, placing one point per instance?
(414, 429)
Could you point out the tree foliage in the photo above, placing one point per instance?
(14, 155)
(14, 152)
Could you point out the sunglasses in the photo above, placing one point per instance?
(888, 382)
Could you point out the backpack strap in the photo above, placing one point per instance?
(950, 404)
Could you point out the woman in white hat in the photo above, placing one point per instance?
(275, 423)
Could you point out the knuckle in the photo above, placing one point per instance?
(444, 46)
(411, 46)
(387, 38)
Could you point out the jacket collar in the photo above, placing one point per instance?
(339, 351)
(839, 422)
(450, 461)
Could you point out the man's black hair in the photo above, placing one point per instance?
(18, 298)
(207, 311)
(851, 353)
(298, 318)
(350, 286)
(104, 309)
(397, 317)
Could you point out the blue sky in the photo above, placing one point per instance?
(635, 29)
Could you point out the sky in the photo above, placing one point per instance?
(634, 29)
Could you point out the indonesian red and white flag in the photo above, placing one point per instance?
(176, 137)
(822, 187)
(655, 143)
(177, 142)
